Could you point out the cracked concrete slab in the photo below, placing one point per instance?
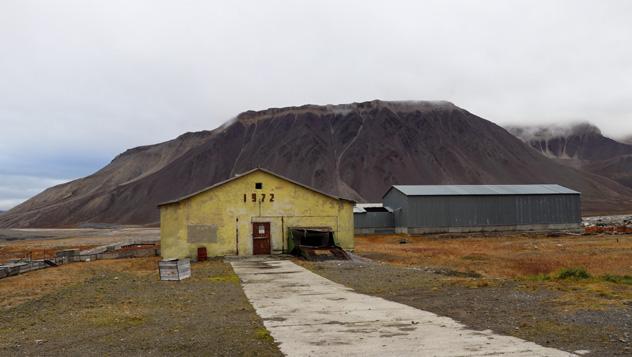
(309, 315)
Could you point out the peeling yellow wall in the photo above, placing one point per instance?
(224, 206)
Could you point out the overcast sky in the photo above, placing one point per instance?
(81, 81)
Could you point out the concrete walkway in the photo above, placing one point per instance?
(309, 315)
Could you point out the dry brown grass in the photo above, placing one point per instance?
(25, 287)
(18, 289)
(509, 256)
(532, 260)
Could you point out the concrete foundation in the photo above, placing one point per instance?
(575, 228)
(520, 228)
(381, 230)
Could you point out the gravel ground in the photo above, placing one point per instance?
(505, 306)
(88, 234)
(133, 313)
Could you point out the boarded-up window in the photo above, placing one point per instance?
(202, 233)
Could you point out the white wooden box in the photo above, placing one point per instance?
(174, 269)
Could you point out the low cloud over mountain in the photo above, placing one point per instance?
(581, 146)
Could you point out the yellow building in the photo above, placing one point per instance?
(252, 213)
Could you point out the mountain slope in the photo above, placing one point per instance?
(353, 150)
(581, 146)
(131, 165)
(580, 141)
(618, 168)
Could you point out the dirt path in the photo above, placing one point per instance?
(310, 315)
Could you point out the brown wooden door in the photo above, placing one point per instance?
(261, 238)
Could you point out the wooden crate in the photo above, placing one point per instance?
(174, 269)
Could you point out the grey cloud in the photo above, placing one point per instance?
(14, 189)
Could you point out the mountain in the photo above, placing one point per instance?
(627, 140)
(354, 150)
(582, 142)
(581, 146)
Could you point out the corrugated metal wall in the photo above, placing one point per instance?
(398, 202)
(373, 220)
(471, 211)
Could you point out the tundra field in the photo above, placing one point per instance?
(568, 292)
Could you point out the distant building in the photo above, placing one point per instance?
(370, 218)
(422, 209)
(253, 213)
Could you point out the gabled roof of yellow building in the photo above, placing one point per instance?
(177, 200)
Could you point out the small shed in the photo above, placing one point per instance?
(373, 218)
(419, 209)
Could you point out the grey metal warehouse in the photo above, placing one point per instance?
(477, 208)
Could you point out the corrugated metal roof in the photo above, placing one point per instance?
(477, 190)
(360, 207)
(364, 205)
